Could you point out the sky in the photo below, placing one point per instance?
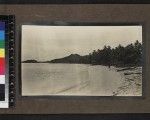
(44, 43)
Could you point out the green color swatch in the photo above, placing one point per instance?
(2, 44)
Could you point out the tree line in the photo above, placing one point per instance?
(130, 55)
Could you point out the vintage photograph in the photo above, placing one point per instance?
(81, 60)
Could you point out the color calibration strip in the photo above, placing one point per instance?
(2, 63)
(2, 53)
(7, 66)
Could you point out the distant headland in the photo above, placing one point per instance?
(30, 61)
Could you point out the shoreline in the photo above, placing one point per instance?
(117, 66)
(126, 85)
(132, 81)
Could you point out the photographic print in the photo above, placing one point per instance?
(81, 60)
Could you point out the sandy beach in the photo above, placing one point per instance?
(132, 83)
(80, 80)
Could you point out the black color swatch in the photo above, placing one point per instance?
(2, 92)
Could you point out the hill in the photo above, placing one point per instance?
(30, 61)
(73, 58)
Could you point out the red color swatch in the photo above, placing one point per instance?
(2, 66)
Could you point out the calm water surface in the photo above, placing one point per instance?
(69, 79)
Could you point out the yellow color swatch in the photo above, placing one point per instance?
(2, 53)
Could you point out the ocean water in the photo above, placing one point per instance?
(52, 79)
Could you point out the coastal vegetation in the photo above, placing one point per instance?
(130, 55)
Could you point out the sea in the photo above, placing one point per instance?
(57, 79)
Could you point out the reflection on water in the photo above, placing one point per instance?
(72, 79)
